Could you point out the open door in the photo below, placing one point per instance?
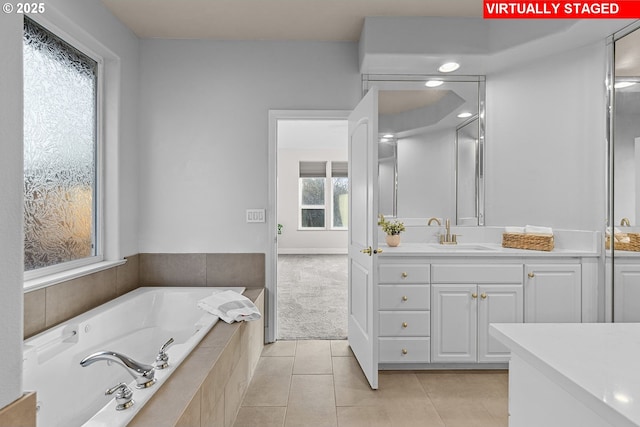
(363, 237)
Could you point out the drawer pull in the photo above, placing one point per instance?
(404, 351)
(531, 275)
(474, 295)
(483, 295)
(405, 298)
(405, 324)
(404, 275)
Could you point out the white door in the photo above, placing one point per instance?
(363, 241)
(454, 323)
(553, 293)
(497, 304)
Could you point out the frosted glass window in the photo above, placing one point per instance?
(60, 90)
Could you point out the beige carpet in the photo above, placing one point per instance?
(312, 297)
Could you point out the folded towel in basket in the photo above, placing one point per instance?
(230, 306)
(533, 229)
(519, 230)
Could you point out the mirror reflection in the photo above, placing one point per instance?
(430, 139)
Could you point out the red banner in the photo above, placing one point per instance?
(626, 9)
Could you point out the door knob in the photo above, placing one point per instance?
(366, 251)
(377, 251)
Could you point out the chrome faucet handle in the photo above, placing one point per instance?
(124, 396)
(162, 359)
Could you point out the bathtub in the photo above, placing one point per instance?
(137, 325)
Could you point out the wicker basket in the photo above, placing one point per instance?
(536, 242)
(633, 244)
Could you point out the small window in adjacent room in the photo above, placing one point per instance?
(312, 194)
(324, 203)
(61, 153)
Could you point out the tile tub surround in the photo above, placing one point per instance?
(208, 387)
(21, 413)
(44, 308)
(200, 269)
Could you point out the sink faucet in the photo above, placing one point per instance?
(448, 238)
(624, 222)
(432, 219)
(143, 374)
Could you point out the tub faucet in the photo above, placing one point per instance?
(143, 374)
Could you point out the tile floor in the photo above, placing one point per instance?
(319, 383)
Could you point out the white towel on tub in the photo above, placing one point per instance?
(230, 306)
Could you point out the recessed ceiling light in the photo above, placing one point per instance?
(464, 115)
(433, 83)
(449, 67)
(389, 135)
(621, 85)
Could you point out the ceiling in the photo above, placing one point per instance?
(322, 20)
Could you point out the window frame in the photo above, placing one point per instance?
(45, 276)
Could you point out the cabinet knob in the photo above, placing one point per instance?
(404, 275)
(531, 275)
(405, 298)
(474, 295)
(405, 324)
(404, 351)
(483, 295)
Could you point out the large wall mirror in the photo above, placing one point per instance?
(431, 144)
(623, 257)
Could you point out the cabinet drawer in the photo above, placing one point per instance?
(407, 273)
(405, 323)
(404, 297)
(473, 273)
(404, 350)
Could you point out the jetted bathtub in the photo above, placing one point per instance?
(136, 325)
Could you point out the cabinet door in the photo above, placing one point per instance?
(497, 304)
(626, 293)
(553, 293)
(454, 323)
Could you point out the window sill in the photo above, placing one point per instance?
(52, 279)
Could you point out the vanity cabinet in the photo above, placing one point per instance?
(404, 303)
(553, 293)
(462, 312)
(626, 293)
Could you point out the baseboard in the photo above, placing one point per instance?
(312, 251)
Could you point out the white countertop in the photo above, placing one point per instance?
(598, 363)
(476, 250)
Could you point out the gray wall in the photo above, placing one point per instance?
(204, 132)
(546, 150)
(11, 249)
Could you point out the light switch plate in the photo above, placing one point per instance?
(255, 215)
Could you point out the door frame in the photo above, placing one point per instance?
(271, 262)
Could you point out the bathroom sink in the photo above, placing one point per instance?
(462, 247)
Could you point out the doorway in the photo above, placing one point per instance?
(307, 266)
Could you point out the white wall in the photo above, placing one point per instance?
(292, 239)
(11, 236)
(546, 150)
(204, 132)
(426, 175)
